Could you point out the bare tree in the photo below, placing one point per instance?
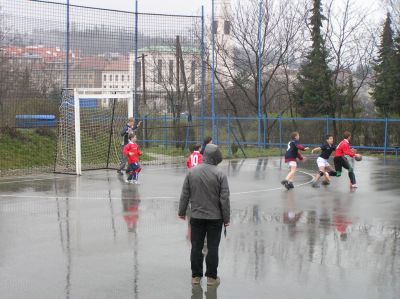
(236, 72)
(350, 39)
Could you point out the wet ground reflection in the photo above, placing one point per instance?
(97, 237)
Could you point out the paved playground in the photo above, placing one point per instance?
(97, 237)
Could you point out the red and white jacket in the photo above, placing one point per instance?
(194, 159)
(343, 149)
(132, 151)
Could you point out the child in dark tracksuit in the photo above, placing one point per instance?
(291, 156)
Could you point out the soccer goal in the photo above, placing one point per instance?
(90, 123)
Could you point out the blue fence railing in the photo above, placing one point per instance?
(372, 134)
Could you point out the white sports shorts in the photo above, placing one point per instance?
(322, 162)
(292, 164)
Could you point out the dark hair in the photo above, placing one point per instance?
(346, 134)
(196, 147)
(294, 134)
(207, 140)
(328, 136)
(131, 135)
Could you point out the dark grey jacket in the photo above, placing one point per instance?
(206, 188)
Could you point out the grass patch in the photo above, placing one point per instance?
(27, 151)
(168, 151)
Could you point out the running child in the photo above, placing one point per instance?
(195, 157)
(324, 168)
(340, 160)
(291, 156)
(132, 152)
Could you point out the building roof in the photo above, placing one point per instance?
(120, 64)
(168, 49)
(46, 53)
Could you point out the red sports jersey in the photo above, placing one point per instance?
(343, 149)
(194, 159)
(132, 151)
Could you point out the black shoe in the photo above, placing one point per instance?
(119, 172)
(290, 185)
(284, 182)
(315, 185)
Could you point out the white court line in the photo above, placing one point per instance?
(32, 180)
(153, 197)
(151, 169)
(82, 197)
(102, 174)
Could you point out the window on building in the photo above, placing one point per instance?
(193, 72)
(127, 78)
(116, 77)
(227, 27)
(110, 77)
(215, 27)
(104, 86)
(122, 78)
(105, 78)
(138, 73)
(159, 71)
(171, 72)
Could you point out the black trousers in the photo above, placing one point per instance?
(342, 162)
(201, 228)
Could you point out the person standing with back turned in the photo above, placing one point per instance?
(206, 188)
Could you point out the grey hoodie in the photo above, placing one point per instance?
(206, 188)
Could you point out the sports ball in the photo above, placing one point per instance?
(358, 158)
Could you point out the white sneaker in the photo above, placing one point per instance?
(354, 186)
(127, 181)
(136, 182)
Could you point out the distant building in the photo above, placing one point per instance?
(157, 75)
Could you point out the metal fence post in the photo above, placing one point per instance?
(203, 75)
(280, 140)
(165, 130)
(259, 73)
(135, 97)
(265, 131)
(327, 125)
(216, 129)
(213, 31)
(67, 47)
(386, 138)
(228, 132)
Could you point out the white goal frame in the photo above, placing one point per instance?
(99, 94)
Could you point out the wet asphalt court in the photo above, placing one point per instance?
(97, 237)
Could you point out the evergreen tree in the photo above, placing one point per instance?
(395, 104)
(384, 86)
(313, 91)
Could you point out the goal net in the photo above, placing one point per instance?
(90, 122)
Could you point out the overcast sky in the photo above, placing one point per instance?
(189, 7)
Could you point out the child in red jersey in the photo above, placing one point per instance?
(132, 151)
(195, 158)
(343, 149)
